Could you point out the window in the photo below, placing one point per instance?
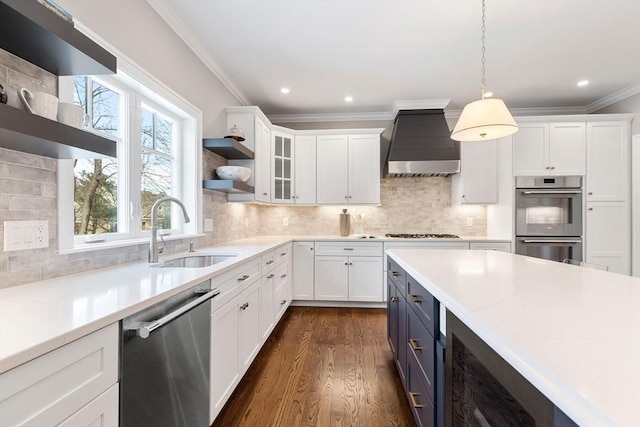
(112, 198)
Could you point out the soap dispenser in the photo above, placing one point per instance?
(345, 223)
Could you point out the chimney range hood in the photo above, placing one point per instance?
(421, 145)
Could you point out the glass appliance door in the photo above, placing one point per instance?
(548, 212)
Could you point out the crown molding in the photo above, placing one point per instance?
(165, 11)
(613, 98)
(337, 117)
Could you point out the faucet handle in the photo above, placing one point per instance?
(191, 246)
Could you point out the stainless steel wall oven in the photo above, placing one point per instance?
(549, 217)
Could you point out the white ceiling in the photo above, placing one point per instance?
(385, 51)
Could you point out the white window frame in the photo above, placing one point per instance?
(159, 97)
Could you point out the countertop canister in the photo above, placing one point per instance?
(345, 223)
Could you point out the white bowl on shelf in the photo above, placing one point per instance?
(235, 173)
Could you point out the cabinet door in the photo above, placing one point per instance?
(530, 150)
(477, 182)
(250, 336)
(567, 148)
(331, 278)
(262, 162)
(267, 306)
(282, 176)
(392, 317)
(225, 354)
(364, 169)
(608, 236)
(365, 279)
(303, 266)
(100, 412)
(332, 176)
(608, 162)
(305, 170)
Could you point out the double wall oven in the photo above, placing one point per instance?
(549, 217)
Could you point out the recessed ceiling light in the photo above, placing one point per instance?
(583, 83)
(488, 94)
(285, 90)
(348, 98)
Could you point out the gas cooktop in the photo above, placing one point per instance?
(422, 236)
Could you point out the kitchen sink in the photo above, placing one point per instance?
(194, 261)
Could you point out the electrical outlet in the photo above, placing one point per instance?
(246, 223)
(469, 221)
(285, 221)
(208, 224)
(20, 235)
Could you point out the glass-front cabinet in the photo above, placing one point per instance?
(282, 177)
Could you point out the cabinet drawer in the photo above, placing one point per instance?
(419, 401)
(49, 389)
(268, 262)
(100, 412)
(349, 248)
(234, 281)
(495, 246)
(282, 273)
(422, 302)
(397, 275)
(283, 253)
(420, 343)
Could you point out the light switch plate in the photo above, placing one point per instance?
(20, 235)
(208, 224)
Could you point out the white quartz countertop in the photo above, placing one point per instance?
(39, 317)
(574, 333)
(42, 316)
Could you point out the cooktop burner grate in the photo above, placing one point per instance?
(422, 236)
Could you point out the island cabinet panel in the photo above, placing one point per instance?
(421, 346)
(417, 392)
(422, 303)
(397, 327)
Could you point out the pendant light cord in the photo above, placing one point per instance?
(482, 68)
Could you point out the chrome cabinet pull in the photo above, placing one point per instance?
(283, 254)
(284, 301)
(245, 277)
(244, 306)
(270, 262)
(283, 276)
(270, 276)
(347, 249)
(145, 331)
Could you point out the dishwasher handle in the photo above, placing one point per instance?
(145, 331)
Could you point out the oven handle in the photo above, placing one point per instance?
(528, 192)
(145, 331)
(551, 241)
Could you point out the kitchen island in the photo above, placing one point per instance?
(572, 332)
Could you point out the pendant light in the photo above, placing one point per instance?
(487, 118)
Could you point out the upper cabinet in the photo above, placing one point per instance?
(304, 166)
(608, 161)
(282, 172)
(36, 34)
(477, 182)
(348, 169)
(554, 149)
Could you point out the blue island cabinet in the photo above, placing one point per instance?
(418, 349)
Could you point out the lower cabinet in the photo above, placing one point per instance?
(348, 272)
(608, 236)
(74, 385)
(256, 295)
(303, 268)
(413, 321)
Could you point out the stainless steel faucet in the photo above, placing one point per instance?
(154, 251)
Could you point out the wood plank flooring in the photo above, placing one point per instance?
(322, 367)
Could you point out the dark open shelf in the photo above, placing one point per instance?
(227, 186)
(34, 33)
(228, 148)
(30, 133)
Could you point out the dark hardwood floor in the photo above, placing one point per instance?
(322, 367)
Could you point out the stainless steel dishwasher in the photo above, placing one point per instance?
(164, 377)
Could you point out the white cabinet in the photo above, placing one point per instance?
(556, 149)
(607, 240)
(282, 168)
(77, 382)
(262, 162)
(303, 271)
(248, 303)
(348, 271)
(304, 166)
(608, 162)
(283, 272)
(477, 182)
(348, 169)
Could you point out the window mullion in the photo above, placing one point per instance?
(134, 165)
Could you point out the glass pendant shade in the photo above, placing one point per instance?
(484, 120)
